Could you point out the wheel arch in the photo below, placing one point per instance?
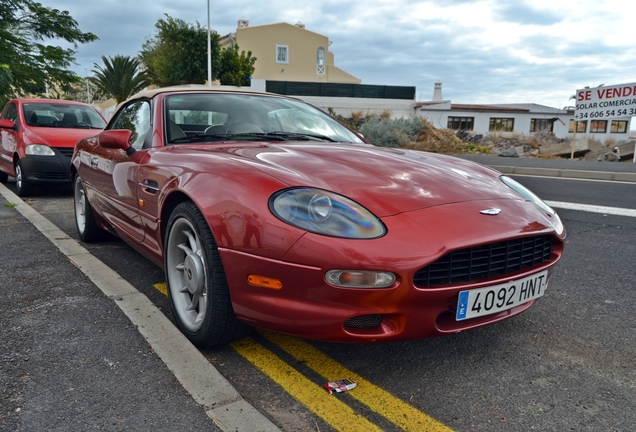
(171, 202)
(73, 173)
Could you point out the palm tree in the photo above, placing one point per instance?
(120, 77)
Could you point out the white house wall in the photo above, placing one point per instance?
(437, 114)
(439, 119)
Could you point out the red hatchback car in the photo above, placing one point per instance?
(266, 212)
(37, 138)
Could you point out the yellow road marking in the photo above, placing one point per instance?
(382, 402)
(162, 288)
(315, 398)
(336, 413)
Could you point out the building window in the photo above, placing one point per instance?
(581, 126)
(461, 123)
(501, 125)
(537, 125)
(598, 126)
(320, 56)
(320, 61)
(618, 126)
(282, 54)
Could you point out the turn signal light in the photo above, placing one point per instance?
(360, 278)
(264, 282)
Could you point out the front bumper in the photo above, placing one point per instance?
(48, 169)
(306, 306)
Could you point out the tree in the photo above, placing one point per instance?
(120, 77)
(178, 53)
(26, 60)
(236, 69)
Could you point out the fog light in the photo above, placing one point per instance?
(360, 278)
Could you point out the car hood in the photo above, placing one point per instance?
(57, 137)
(384, 180)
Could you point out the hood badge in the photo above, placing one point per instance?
(491, 211)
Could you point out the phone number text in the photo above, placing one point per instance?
(626, 112)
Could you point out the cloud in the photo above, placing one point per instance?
(525, 14)
(484, 51)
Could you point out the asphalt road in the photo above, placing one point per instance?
(568, 363)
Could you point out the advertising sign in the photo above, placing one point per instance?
(606, 103)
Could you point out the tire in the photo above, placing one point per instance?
(87, 228)
(22, 185)
(3, 177)
(197, 286)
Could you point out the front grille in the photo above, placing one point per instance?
(65, 151)
(45, 175)
(364, 321)
(485, 262)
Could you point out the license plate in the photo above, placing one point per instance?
(497, 298)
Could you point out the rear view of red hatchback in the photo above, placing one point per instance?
(37, 138)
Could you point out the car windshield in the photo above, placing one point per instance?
(222, 117)
(61, 115)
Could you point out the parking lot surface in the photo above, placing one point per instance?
(83, 355)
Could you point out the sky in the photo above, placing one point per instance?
(483, 51)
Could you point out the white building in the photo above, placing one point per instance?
(523, 118)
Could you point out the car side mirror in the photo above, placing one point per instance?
(117, 139)
(7, 124)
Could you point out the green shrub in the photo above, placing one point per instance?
(392, 132)
(476, 148)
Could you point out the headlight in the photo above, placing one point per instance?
(39, 150)
(325, 213)
(525, 192)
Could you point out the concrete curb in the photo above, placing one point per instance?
(567, 173)
(221, 402)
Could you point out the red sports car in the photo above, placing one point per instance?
(37, 138)
(266, 212)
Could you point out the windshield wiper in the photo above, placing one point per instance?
(301, 136)
(227, 137)
(199, 138)
(278, 136)
(75, 126)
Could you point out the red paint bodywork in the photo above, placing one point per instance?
(430, 205)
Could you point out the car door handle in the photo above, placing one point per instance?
(94, 161)
(149, 186)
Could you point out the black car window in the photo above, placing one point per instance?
(220, 117)
(136, 118)
(11, 113)
(56, 114)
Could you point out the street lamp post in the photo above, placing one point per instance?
(209, 50)
(88, 95)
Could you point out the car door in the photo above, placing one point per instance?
(114, 173)
(9, 139)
